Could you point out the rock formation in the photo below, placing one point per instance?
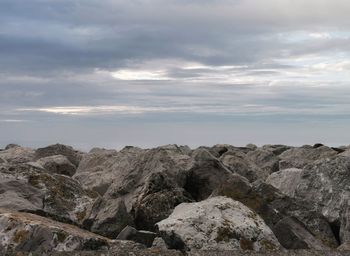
(271, 199)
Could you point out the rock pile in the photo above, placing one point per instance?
(174, 200)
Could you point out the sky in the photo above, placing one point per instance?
(110, 73)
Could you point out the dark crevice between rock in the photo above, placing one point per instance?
(335, 226)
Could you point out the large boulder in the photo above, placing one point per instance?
(286, 180)
(24, 187)
(205, 175)
(108, 218)
(73, 156)
(300, 157)
(238, 162)
(218, 223)
(16, 155)
(267, 161)
(326, 183)
(57, 164)
(24, 232)
(150, 182)
(273, 206)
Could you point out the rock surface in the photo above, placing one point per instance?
(217, 223)
(286, 180)
(225, 197)
(31, 233)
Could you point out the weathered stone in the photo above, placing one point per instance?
(206, 174)
(292, 234)
(238, 162)
(216, 223)
(300, 157)
(266, 160)
(57, 164)
(274, 206)
(276, 149)
(26, 188)
(326, 183)
(58, 149)
(286, 180)
(108, 218)
(17, 155)
(139, 236)
(31, 233)
(158, 242)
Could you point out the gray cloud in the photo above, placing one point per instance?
(171, 62)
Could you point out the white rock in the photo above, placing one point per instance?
(217, 223)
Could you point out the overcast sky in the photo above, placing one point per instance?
(111, 73)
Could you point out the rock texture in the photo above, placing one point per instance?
(286, 180)
(31, 233)
(200, 201)
(217, 223)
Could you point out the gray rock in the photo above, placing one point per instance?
(73, 156)
(218, 223)
(9, 146)
(276, 149)
(266, 160)
(274, 206)
(344, 232)
(57, 164)
(286, 180)
(31, 233)
(26, 188)
(138, 236)
(149, 181)
(292, 234)
(238, 162)
(158, 242)
(205, 175)
(300, 157)
(326, 183)
(108, 218)
(17, 155)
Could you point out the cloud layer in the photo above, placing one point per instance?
(185, 64)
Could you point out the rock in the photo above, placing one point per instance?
(19, 195)
(31, 233)
(276, 149)
(57, 164)
(292, 234)
(108, 218)
(286, 180)
(251, 146)
(238, 162)
(344, 232)
(139, 236)
(326, 183)
(205, 175)
(17, 155)
(158, 242)
(95, 170)
(300, 157)
(9, 146)
(58, 149)
(26, 188)
(218, 223)
(274, 206)
(149, 181)
(266, 160)
(346, 153)
(157, 201)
